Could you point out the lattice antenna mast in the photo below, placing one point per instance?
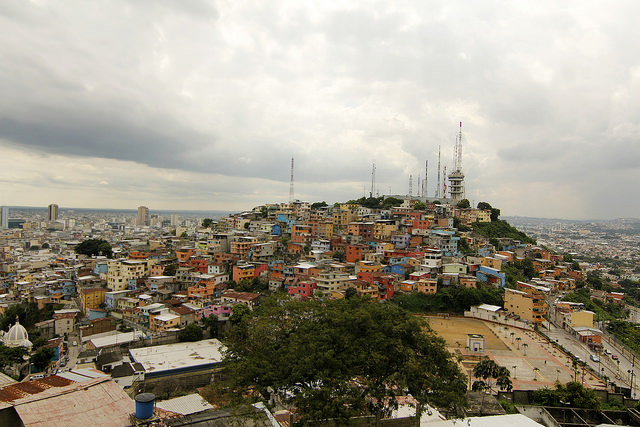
(373, 180)
(444, 182)
(425, 188)
(410, 185)
(291, 185)
(459, 150)
(438, 187)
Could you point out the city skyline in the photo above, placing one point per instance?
(200, 106)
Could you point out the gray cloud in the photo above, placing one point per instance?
(547, 94)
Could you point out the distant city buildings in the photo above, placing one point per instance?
(4, 218)
(143, 216)
(52, 214)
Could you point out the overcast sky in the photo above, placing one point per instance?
(201, 104)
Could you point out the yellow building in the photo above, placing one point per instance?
(529, 306)
(583, 318)
(490, 262)
(91, 298)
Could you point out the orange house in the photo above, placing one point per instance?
(355, 252)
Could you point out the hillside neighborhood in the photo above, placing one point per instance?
(116, 308)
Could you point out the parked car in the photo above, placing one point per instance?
(594, 358)
(607, 351)
(614, 356)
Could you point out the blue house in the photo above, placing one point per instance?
(491, 275)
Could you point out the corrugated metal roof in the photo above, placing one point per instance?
(97, 402)
(185, 405)
(21, 390)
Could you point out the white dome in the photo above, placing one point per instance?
(17, 336)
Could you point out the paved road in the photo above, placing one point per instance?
(618, 371)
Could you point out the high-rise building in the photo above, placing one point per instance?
(175, 220)
(53, 212)
(4, 218)
(143, 216)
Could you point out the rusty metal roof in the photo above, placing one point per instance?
(21, 390)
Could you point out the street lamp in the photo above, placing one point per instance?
(514, 371)
(630, 371)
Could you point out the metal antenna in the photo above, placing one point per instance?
(291, 185)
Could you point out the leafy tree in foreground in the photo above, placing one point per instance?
(337, 359)
(487, 370)
(92, 247)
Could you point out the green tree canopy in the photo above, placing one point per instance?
(318, 205)
(484, 205)
(11, 355)
(419, 206)
(206, 223)
(572, 394)
(489, 370)
(94, 247)
(337, 359)
(464, 203)
(41, 358)
(191, 332)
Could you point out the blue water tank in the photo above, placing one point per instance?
(145, 402)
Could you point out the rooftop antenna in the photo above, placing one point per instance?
(373, 180)
(438, 187)
(291, 185)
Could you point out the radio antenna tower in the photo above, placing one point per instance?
(425, 188)
(410, 185)
(438, 187)
(459, 151)
(291, 185)
(373, 180)
(444, 182)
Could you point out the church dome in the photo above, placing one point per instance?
(17, 336)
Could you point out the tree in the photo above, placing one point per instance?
(463, 204)
(318, 205)
(484, 206)
(573, 394)
(206, 223)
(419, 206)
(340, 255)
(41, 358)
(94, 247)
(190, 333)
(488, 369)
(11, 355)
(338, 359)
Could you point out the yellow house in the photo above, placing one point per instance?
(427, 286)
(165, 321)
(582, 318)
(91, 298)
(368, 267)
(490, 262)
(529, 306)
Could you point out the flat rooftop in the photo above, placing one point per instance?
(179, 356)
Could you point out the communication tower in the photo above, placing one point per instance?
(456, 178)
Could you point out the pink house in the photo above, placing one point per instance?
(218, 310)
